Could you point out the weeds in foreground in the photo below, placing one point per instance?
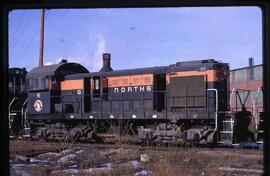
(66, 144)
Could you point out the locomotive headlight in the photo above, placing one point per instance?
(154, 116)
(111, 116)
(90, 117)
(133, 116)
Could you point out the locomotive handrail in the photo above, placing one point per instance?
(143, 99)
(216, 119)
(25, 121)
(132, 98)
(9, 106)
(121, 100)
(22, 111)
(11, 103)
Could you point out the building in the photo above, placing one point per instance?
(246, 86)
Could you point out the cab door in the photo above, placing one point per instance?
(87, 95)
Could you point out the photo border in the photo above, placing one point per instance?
(264, 5)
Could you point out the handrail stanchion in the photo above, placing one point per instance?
(186, 105)
(143, 105)
(9, 113)
(122, 103)
(216, 119)
(166, 107)
(132, 103)
(23, 118)
(110, 105)
(100, 99)
(81, 106)
(207, 103)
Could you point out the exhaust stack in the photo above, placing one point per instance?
(106, 63)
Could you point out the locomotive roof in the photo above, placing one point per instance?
(179, 66)
(16, 70)
(136, 71)
(55, 69)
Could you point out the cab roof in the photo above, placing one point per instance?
(57, 70)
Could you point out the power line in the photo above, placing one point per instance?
(34, 36)
(29, 44)
(27, 22)
(16, 30)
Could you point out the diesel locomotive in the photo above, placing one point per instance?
(186, 102)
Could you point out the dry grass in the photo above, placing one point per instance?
(197, 161)
(24, 147)
(172, 162)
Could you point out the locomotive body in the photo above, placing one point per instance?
(186, 101)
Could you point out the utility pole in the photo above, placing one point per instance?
(42, 11)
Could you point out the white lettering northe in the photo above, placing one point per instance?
(133, 89)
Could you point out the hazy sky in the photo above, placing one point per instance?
(137, 37)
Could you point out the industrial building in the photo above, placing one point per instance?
(246, 87)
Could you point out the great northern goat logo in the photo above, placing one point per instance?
(38, 105)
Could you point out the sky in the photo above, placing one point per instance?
(138, 37)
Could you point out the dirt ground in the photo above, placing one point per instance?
(29, 158)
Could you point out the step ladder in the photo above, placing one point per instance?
(226, 134)
(17, 118)
(26, 132)
(14, 122)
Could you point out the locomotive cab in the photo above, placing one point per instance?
(44, 88)
(16, 84)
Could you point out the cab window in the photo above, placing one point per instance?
(41, 83)
(96, 87)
